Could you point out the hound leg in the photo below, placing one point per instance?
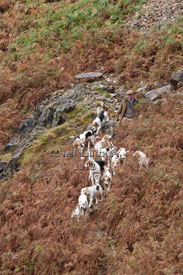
(109, 186)
(92, 139)
(92, 180)
(91, 200)
(89, 177)
(98, 129)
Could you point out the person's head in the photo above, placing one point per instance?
(130, 94)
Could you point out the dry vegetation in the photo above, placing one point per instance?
(138, 227)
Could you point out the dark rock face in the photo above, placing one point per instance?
(8, 147)
(176, 79)
(53, 114)
(67, 107)
(58, 118)
(38, 110)
(46, 117)
(2, 165)
(26, 126)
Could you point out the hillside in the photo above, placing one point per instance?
(137, 228)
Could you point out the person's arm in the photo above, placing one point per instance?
(135, 101)
(119, 111)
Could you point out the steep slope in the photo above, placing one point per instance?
(137, 228)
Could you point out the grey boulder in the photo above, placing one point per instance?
(2, 165)
(156, 93)
(26, 126)
(176, 79)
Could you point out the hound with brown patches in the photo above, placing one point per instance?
(103, 143)
(95, 169)
(77, 212)
(92, 192)
(80, 140)
(107, 152)
(142, 159)
(100, 108)
(107, 178)
(102, 117)
(115, 161)
(83, 203)
(122, 152)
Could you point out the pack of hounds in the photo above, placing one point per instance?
(102, 171)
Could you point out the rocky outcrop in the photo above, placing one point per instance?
(53, 112)
(2, 165)
(26, 126)
(176, 80)
(157, 93)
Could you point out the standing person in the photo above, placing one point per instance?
(126, 110)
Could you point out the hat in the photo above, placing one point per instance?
(130, 92)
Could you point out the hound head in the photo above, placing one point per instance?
(78, 142)
(87, 191)
(115, 161)
(97, 178)
(107, 137)
(95, 124)
(106, 178)
(100, 103)
(136, 154)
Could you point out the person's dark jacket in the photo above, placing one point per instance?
(127, 107)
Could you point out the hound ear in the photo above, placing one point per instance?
(87, 191)
(97, 187)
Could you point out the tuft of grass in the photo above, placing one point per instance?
(5, 157)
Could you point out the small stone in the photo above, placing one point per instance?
(89, 75)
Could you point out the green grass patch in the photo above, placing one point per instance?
(5, 157)
(58, 28)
